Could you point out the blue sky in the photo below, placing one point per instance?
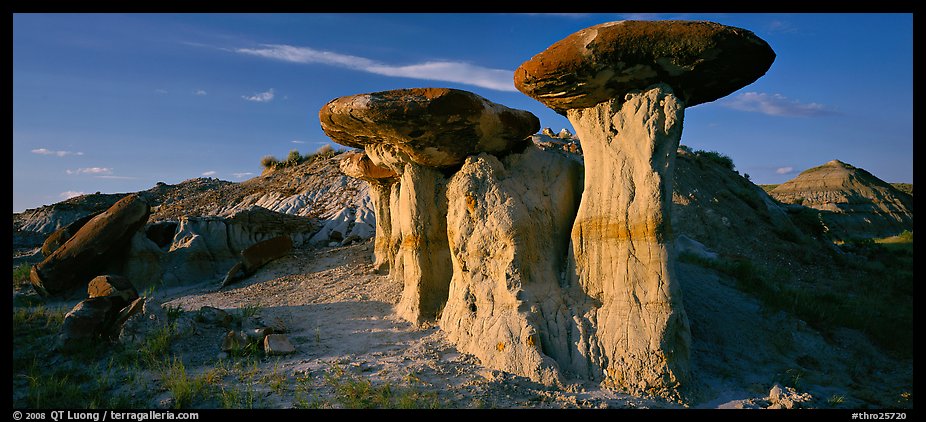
(118, 102)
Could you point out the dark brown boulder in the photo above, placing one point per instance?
(84, 255)
(258, 255)
(434, 127)
(700, 61)
(115, 286)
(60, 236)
(90, 319)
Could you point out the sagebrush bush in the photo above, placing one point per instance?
(269, 162)
(293, 158)
(717, 157)
(324, 151)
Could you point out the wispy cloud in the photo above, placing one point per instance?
(45, 151)
(91, 170)
(209, 173)
(160, 91)
(782, 27)
(70, 194)
(295, 141)
(200, 92)
(262, 97)
(242, 175)
(784, 170)
(776, 105)
(437, 70)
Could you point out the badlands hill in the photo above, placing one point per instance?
(852, 201)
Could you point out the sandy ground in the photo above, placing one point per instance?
(338, 312)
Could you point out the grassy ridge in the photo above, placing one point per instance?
(873, 293)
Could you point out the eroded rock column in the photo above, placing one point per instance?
(508, 223)
(380, 181)
(624, 86)
(622, 237)
(423, 134)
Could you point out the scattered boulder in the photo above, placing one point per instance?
(687, 245)
(624, 87)
(786, 398)
(146, 318)
(418, 133)
(258, 255)
(548, 132)
(564, 134)
(61, 236)
(278, 344)
(214, 316)
(90, 319)
(234, 340)
(112, 285)
(98, 242)
(112, 301)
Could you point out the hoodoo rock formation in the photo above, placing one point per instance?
(358, 165)
(420, 134)
(624, 86)
(508, 224)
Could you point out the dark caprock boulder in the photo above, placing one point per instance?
(62, 235)
(258, 255)
(84, 255)
(115, 286)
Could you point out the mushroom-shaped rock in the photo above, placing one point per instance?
(85, 254)
(624, 86)
(433, 127)
(358, 165)
(700, 61)
(418, 133)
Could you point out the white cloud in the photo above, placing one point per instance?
(780, 26)
(784, 170)
(263, 97)
(776, 105)
(209, 173)
(91, 170)
(437, 70)
(70, 194)
(45, 151)
(200, 92)
(242, 175)
(295, 141)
